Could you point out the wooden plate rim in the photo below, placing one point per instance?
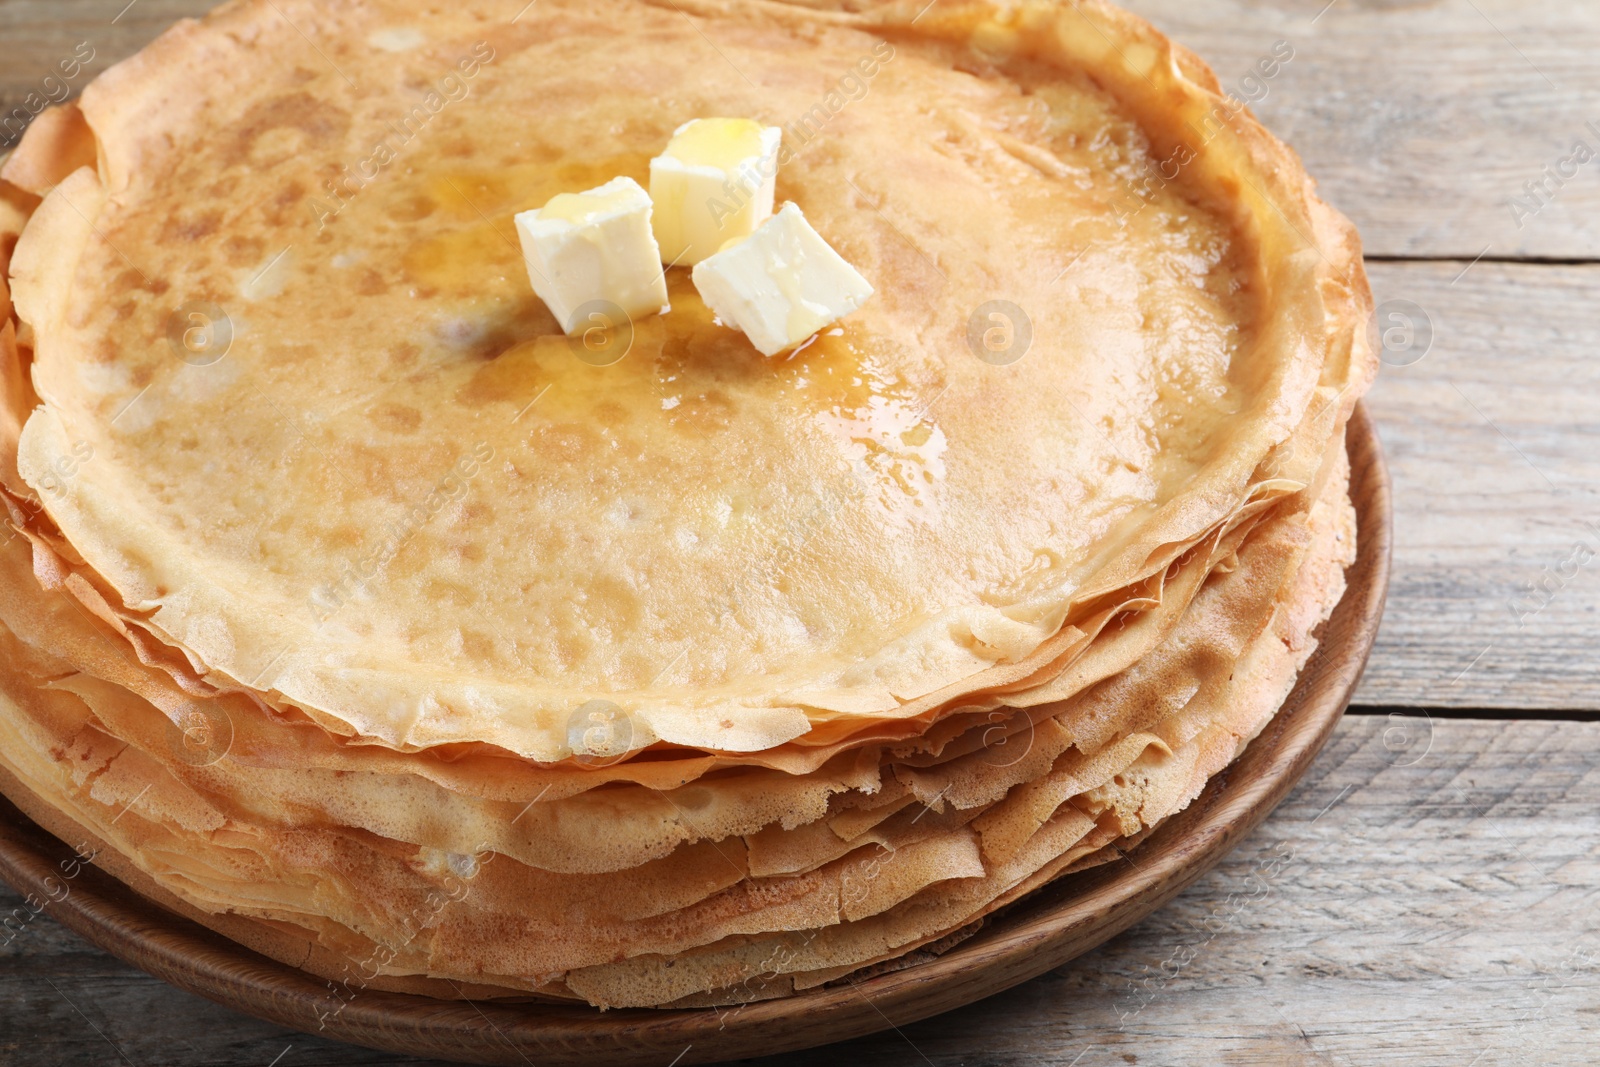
(1061, 921)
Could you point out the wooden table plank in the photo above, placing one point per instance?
(1426, 896)
(1422, 121)
(1490, 441)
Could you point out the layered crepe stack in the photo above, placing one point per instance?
(372, 628)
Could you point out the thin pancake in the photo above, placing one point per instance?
(489, 926)
(879, 558)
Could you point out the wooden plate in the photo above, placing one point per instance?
(1065, 919)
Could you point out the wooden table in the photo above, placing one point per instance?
(1430, 894)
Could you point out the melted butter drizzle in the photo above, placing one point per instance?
(682, 368)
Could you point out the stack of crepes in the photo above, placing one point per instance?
(351, 614)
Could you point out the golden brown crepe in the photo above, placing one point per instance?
(357, 617)
(409, 552)
(1232, 676)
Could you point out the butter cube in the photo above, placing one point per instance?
(713, 183)
(585, 251)
(781, 284)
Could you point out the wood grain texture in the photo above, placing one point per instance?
(1408, 904)
(1491, 444)
(1054, 925)
(1423, 119)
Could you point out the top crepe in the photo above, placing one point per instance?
(400, 500)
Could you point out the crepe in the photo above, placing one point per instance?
(418, 570)
(350, 614)
(284, 873)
